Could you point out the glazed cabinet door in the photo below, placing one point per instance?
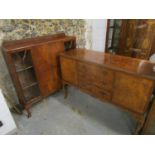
(132, 92)
(23, 74)
(69, 70)
(46, 68)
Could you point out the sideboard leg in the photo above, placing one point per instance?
(139, 127)
(140, 123)
(65, 87)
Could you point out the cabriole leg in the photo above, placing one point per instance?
(28, 113)
(140, 119)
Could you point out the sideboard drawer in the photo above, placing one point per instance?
(86, 87)
(95, 91)
(86, 72)
(104, 78)
(95, 75)
(102, 94)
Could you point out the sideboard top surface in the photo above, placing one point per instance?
(28, 42)
(116, 62)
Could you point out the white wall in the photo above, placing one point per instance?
(96, 34)
(6, 118)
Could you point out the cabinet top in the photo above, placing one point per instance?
(25, 43)
(116, 62)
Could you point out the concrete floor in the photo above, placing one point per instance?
(79, 114)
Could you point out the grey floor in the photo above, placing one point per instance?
(79, 114)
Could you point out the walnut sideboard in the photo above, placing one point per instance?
(123, 81)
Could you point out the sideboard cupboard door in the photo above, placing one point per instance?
(132, 92)
(46, 73)
(68, 70)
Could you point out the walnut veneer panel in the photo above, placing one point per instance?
(45, 59)
(132, 92)
(54, 50)
(96, 75)
(46, 73)
(95, 80)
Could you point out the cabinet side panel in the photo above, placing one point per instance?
(69, 71)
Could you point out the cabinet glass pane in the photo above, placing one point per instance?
(22, 60)
(31, 92)
(114, 35)
(27, 78)
(26, 74)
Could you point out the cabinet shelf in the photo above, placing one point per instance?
(31, 85)
(23, 69)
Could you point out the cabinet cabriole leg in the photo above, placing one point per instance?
(28, 113)
(140, 123)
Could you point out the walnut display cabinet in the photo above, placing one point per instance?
(34, 66)
(131, 37)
